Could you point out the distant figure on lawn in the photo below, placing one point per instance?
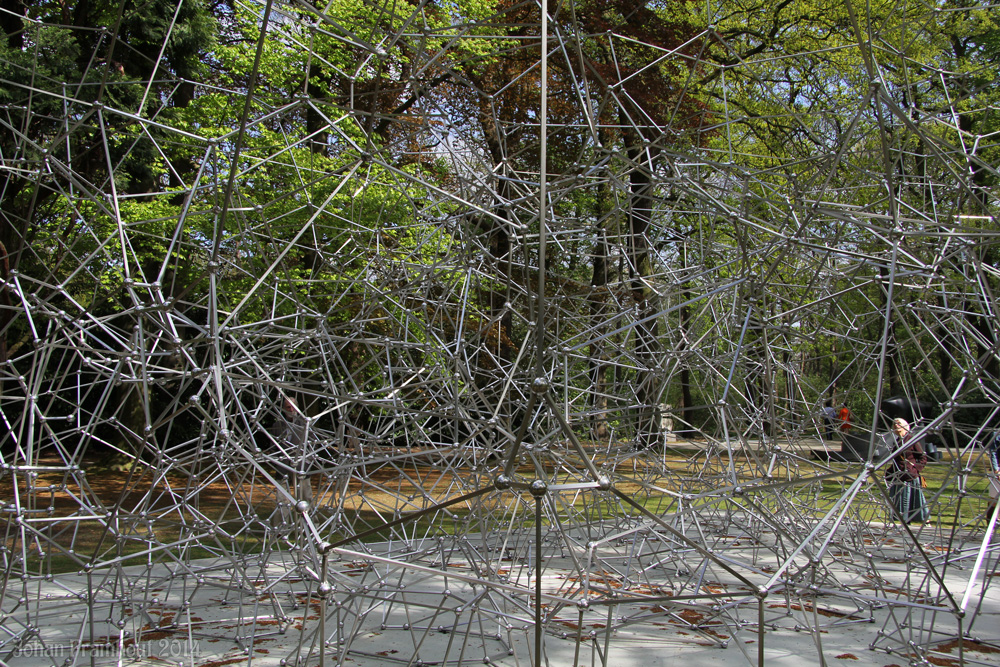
(845, 418)
(830, 420)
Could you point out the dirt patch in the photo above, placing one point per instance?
(222, 663)
(943, 662)
(968, 645)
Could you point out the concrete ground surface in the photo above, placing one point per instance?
(378, 610)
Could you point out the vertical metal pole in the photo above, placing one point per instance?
(760, 631)
(566, 387)
(324, 596)
(542, 194)
(90, 616)
(579, 638)
(538, 486)
(538, 489)
(961, 640)
(538, 581)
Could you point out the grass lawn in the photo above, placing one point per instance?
(169, 518)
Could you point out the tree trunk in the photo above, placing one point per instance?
(598, 316)
(944, 353)
(316, 125)
(647, 331)
(6, 309)
(499, 247)
(891, 349)
(684, 326)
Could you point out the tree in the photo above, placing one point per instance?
(78, 77)
(639, 93)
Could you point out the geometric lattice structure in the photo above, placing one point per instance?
(368, 332)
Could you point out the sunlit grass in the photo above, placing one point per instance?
(393, 510)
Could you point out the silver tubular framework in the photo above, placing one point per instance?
(497, 333)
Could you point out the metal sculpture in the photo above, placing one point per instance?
(473, 351)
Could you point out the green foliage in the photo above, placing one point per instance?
(335, 183)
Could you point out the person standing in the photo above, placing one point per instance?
(993, 473)
(830, 420)
(904, 478)
(845, 418)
